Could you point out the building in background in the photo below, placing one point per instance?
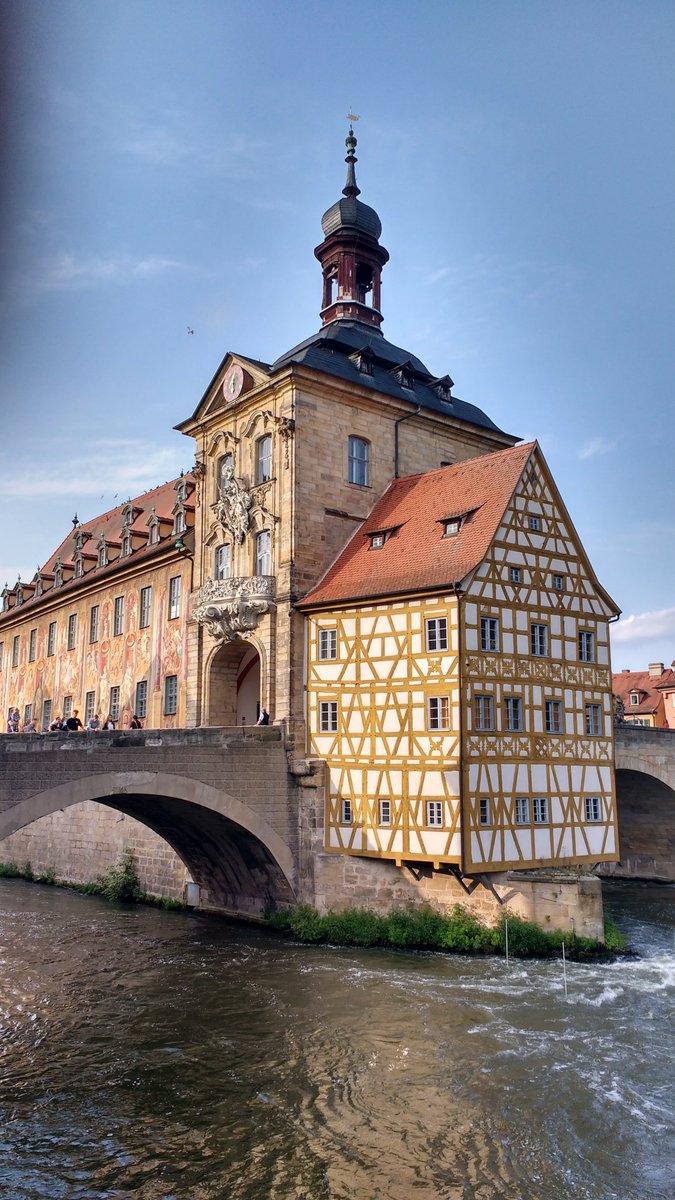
(647, 697)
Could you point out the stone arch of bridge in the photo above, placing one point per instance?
(239, 861)
(646, 813)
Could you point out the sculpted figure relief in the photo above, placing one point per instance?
(229, 608)
(234, 504)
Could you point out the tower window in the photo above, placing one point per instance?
(359, 462)
(263, 553)
(263, 464)
(224, 561)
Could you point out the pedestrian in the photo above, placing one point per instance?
(264, 718)
(135, 722)
(109, 723)
(56, 725)
(73, 722)
(94, 723)
(13, 721)
(30, 726)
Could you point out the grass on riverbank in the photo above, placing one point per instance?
(458, 932)
(120, 883)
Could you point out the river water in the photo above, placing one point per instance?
(163, 1056)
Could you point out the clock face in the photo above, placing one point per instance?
(233, 382)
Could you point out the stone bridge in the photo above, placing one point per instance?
(227, 801)
(645, 787)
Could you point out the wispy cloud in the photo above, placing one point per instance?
(68, 271)
(645, 627)
(597, 446)
(174, 142)
(109, 470)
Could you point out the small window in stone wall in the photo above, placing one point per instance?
(141, 709)
(171, 695)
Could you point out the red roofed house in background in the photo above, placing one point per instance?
(648, 697)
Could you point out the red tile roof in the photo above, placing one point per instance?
(651, 689)
(416, 556)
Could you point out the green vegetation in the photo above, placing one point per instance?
(426, 929)
(120, 883)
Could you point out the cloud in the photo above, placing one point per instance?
(596, 446)
(645, 627)
(66, 271)
(110, 470)
(176, 143)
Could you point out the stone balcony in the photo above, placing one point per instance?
(231, 608)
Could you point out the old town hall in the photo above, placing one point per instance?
(369, 558)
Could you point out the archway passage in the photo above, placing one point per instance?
(646, 811)
(234, 685)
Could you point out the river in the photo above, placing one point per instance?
(147, 1055)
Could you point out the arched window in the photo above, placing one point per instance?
(126, 545)
(224, 561)
(154, 534)
(263, 553)
(225, 470)
(359, 461)
(263, 459)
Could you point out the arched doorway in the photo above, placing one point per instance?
(234, 685)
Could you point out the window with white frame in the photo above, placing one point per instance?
(452, 526)
(592, 808)
(144, 613)
(635, 698)
(359, 461)
(16, 647)
(103, 555)
(377, 540)
(328, 716)
(171, 695)
(153, 535)
(434, 812)
(514, 574)
(553, 716)
(593, 720)
(327, 644)
(558, 583)
(67, 707)
(79, 568)
(93, 623)
(535, 524)
(263, 459)
(89, 706)
(174, 597)
(539, 639)
(118, 616)
(114, 706)
(484, 712)
(436, 633)
(32, 645)
(540, 810)
(72, 631)
(2, 655)
(46, 714)
(126, 545)
(141, 708)
(489, 634)
(586, 646)
(484, 811)
(522, 810)
(346, 813)
(513, 714)
(385, 812)
(27, 712)
(179, 523)
(263, 553)
(439, 712)
(224, 561)
(51, 639)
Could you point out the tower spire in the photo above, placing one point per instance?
(350, 188)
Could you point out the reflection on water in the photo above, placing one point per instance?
(157, 1056)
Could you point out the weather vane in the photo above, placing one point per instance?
(353, 117)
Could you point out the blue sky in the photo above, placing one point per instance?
(166, 166)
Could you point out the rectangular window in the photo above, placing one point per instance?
(359, 461)
(32, 645)
(483, 711)
(634, 698)
(592, 807)
(437, 633)
(540, 810)
(93, 623)
(328, 716)
(2, 655)
(593, 720)
(89, 706)
(513, 714)
(46, 714)
(514, 574)
(535, 523)
(263, 470)
(586, 646)
(67, 707)
(174, 597)
(489, 634)
(558, 583)
(141, 709)
(144, 617)
(452, 527)
(118, 616)
(224, 561)
(484, 810)
(171, 695)
(114, 706)
(327, 644)
(553, 714)
(434, 812)
(16, 645)
(385, 812)
(72, 631)
(51, 639)
(522, 810)
(439, 712)
(539, 640)
(346, 812)
(27, 713)
(263, 553)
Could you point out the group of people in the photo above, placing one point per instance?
(71, 724)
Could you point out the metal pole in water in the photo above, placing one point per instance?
(564, 969)
(506, 939)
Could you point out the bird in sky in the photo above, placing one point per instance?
(190, 330)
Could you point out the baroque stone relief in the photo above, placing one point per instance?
(230, 608)
(234, 505)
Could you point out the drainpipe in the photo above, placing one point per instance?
(396, 445)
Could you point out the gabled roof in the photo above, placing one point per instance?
(649, 687)
(417, 556)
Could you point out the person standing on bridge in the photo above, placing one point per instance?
(73, 723)
(13, 721)
(264, 718)
(135, 722)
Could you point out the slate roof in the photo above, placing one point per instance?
(417, 556)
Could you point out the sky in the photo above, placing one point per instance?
(164, 168)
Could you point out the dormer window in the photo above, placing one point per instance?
(58, 574)
(443, 389)
(179, 522)
(153, 536)
(126, 545)
(363, 361)
(79, 568)
(38, 586)
(5, 599)
(452, 527)
(635, 697)
(19, 596)
(377, 540)
(181, 491)
(102, 553)
(404, 376)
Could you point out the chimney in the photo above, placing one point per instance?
(655, 669)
